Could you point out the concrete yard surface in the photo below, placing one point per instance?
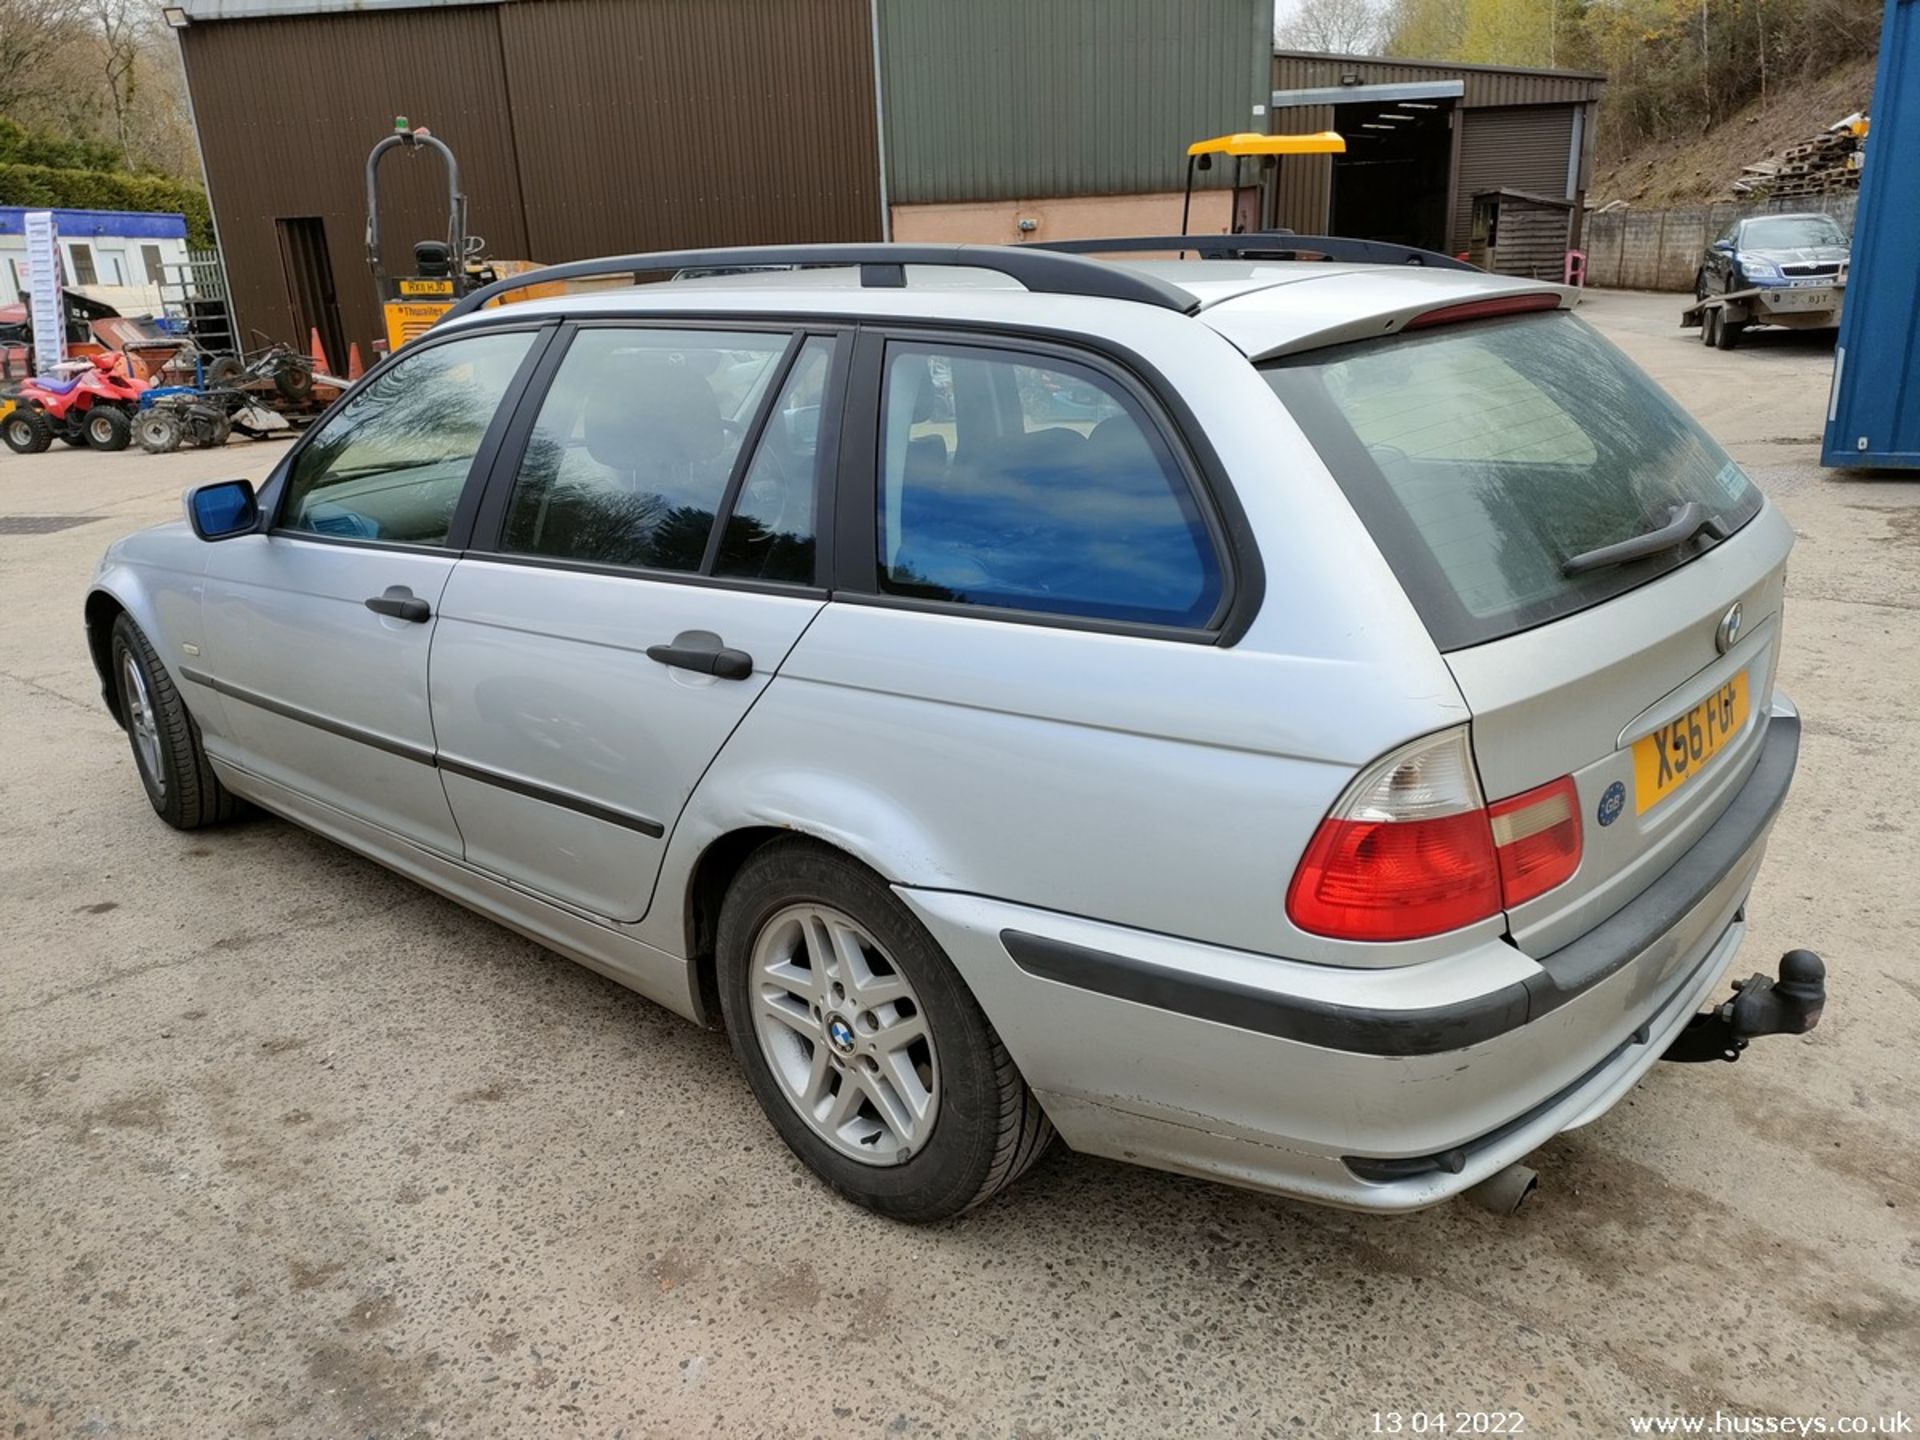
(289, 1147)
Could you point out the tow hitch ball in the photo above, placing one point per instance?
(1790, 1005)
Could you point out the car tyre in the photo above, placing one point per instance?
(798, 915)
(1726, 334)
(1709, 325)
(167, 752)
(26, 431)
(1700, 284)
(106, 428)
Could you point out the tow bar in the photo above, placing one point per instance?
(1789, 1005)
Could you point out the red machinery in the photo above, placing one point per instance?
(94, 405)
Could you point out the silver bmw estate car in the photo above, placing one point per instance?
(1307, 724)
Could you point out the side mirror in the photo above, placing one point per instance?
(1725, 247)
(222, 510)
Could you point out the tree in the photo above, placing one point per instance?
(1340, 27)
(1425, 29)
(120, 27)
(31, 33)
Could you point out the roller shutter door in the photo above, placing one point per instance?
(1522, 147)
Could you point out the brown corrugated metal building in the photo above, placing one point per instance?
(1423, 138)
(594, 127)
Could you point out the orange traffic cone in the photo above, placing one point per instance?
(319, 352)
(354, 368)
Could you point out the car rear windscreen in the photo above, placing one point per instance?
(1483, 456)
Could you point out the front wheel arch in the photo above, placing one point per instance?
(102, 609)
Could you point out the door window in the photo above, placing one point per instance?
(390, 465)
(1032, 483)
(629, 461)
(769, 532)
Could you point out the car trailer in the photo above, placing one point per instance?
(1722, 318)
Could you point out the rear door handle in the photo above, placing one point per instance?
(401, 603)
(705, 653)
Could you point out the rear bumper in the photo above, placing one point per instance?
(1270, 1073)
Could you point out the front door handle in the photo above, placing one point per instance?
(401, 603)
(704, 652)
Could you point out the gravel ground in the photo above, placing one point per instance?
(290, 1147)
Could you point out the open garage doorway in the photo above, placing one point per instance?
(1393, 181)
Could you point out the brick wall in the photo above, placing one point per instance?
(1631, 249)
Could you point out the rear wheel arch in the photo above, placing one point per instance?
(705, 893)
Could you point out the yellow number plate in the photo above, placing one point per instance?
(1676, 752)
(426, 287)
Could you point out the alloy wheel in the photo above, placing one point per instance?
(142, 724)
(844, 1034)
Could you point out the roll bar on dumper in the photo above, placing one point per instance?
(409, 304)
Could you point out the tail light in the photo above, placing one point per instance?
(1537, 837)
(1412, 849)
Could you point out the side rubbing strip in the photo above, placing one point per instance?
(422, 756)
(552, 797)
(418, 753)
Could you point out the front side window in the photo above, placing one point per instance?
(1031, 483)
(391, 463)
(636, 440)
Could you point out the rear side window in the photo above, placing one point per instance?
(629, 460)
(1032, 483)
(1483, 457)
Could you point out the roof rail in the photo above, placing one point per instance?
(1262, 245)
(1042, 271)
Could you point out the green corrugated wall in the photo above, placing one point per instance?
(1004, 99)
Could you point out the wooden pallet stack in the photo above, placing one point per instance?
(1828, 162)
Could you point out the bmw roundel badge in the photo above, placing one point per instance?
(1613, 802)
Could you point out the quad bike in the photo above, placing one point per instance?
(94, 405)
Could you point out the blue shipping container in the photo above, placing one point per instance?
(1873, 414)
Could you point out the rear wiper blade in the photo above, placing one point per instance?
(1685, 522)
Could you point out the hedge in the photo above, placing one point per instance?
(21, 146)
(47, 187)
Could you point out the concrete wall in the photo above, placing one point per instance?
(997, 222)
(1661, 249)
